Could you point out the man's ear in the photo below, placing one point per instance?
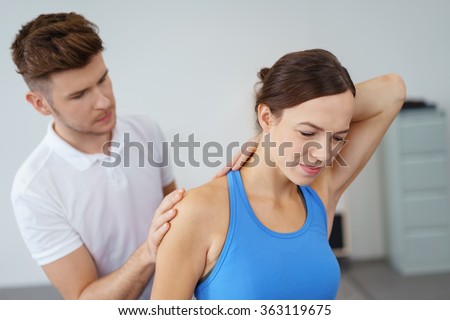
(265, 117)
(38, 101)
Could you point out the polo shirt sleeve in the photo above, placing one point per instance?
(166, 170)
(46, 232)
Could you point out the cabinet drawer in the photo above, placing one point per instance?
(424, 174)
(431, 249)
(426, 212)
(422, 137)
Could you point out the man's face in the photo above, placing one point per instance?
(83, 99)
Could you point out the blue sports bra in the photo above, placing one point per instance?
(258, 263)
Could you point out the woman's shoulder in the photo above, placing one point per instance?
(204, 203)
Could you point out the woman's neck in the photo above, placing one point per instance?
(266, 179)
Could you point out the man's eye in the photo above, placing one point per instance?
(78, 96)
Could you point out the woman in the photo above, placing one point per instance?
(262, 232)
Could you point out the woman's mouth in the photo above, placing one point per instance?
(310, 170)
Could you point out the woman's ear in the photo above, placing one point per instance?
(265, 117)
(39, 103)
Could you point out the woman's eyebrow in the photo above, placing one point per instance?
(319, 128)
(311, 125)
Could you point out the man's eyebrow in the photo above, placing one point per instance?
(103, 76)
(319, 128)
(74, 94)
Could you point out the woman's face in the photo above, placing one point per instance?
(309, 136)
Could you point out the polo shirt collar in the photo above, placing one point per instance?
(80, 160)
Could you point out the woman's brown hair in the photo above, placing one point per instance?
(301, 76)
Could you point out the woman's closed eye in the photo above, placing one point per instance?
(307, 134)
(339, 139)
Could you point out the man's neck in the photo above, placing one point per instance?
(89, 143)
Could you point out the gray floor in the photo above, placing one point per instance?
(30, 293)
(376, 280)
(360, 280)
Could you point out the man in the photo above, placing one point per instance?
(89, 225)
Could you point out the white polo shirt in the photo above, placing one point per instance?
(64, 198)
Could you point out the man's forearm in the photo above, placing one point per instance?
(127, 282)
(131, 279)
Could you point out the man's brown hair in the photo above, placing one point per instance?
(52, 43)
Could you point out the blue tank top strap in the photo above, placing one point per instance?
(316, 203)
(233, 198)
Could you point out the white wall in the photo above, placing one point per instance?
(193, 64)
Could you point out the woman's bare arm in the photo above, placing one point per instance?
(377, 103)
(181, 257)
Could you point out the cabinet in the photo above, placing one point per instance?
(416, 188)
